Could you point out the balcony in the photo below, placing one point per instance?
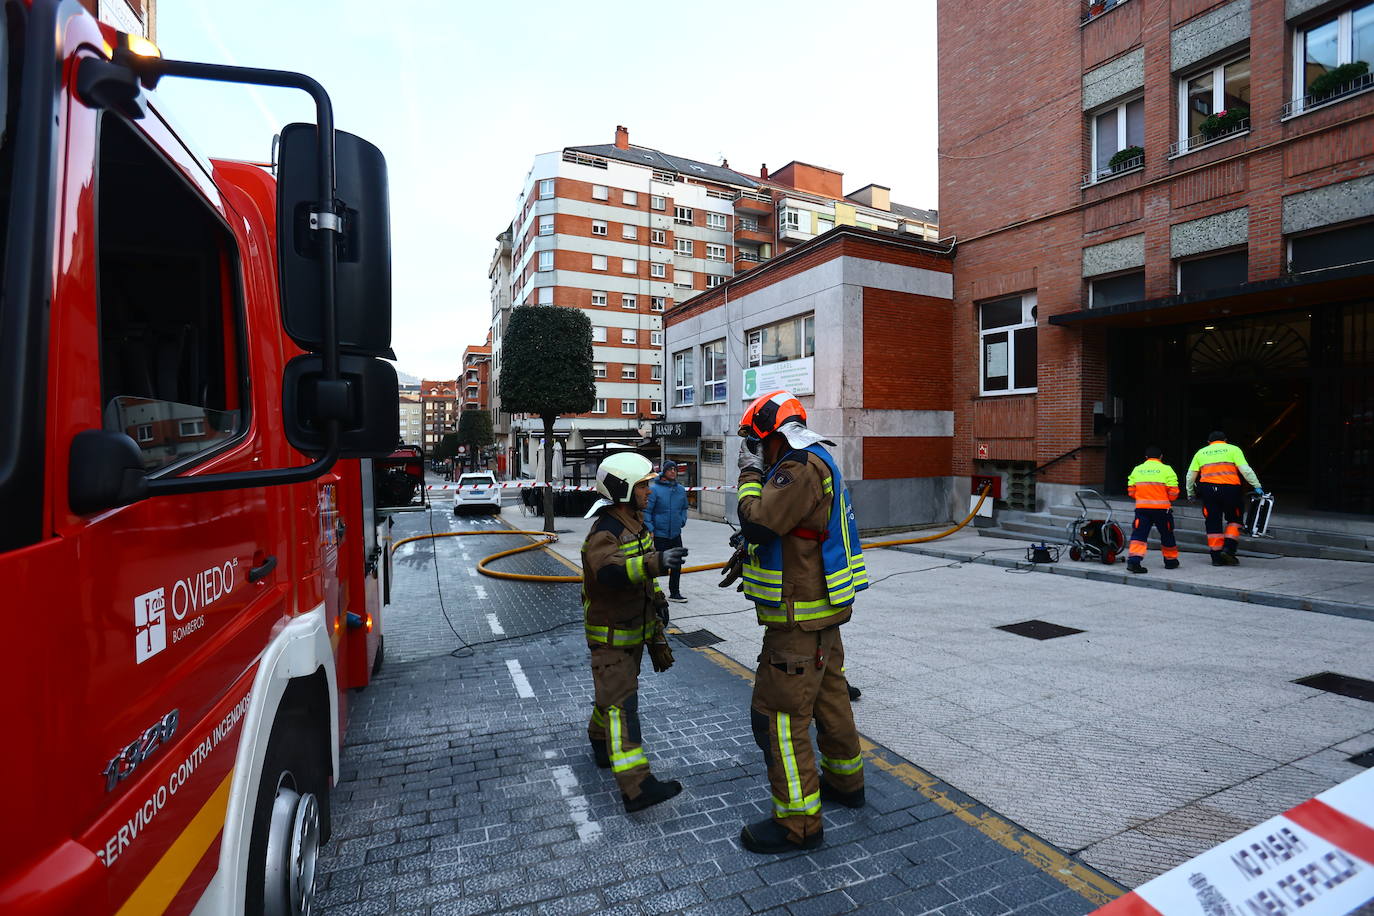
(1207, 138)
(1134, 163)
(1094, 8)
(758, 202)
(745, 260)
(1362, 83)
(749, 232)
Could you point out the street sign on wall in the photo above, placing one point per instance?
(795, 375)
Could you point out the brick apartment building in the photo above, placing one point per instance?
(438, 411)
(1165, 222)
(625, 232)
(476, 377)
(856, 323)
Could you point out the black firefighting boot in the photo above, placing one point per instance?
(1171, 564)
(1230, 551)
(652, 791)
(1223, 559)
(603, 756)
(767, 837)
(853, 799)
(1135, 566)
(854, 692)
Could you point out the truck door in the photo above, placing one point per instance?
(178, 593)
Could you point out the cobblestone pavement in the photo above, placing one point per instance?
(467, 785)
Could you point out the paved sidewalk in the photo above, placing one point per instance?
(467, 786)
(1169, 724)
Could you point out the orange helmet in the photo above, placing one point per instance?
(768, 412)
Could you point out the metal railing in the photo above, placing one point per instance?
(747, 256)
(1121, 168)
(1309, 101)
(761, 196)
(746, 225)
(1092, 10)
(1197, 141)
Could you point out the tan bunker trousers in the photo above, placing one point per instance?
(800, 677)
(615, 716)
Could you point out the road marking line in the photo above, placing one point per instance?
(522, 683)
(495, 625)
(472, 571)
(587, 829)
(481, 591)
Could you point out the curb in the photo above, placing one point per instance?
(1271, 599)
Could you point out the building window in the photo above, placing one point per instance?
(658, 203)
(186, 428)
(599, 405)
(658, 303)
(683, 279)
(658, 269)
(598, 370)
(1105, 291)
(713, 372)
(658, 237)
(599, 227)
(683, 390)
(714, 280)
(546, 189)
(1213, 271)
(712, 451)
(545, 295)
(629, 335)
(682, 215)
(1331, 248)
(145, 432)
(1329, 51)
(598, 262)
(629, 372)
(683, 246)
(629, 302)
(1213, 103)
(1007, 351)
(794, 338)
(656, 338)
(656, 372)
(546, 225)
(790, 219)
(628, 267)
(656, 408)
(715, 252)
(546, 260)
(824, 224)
(717, 221)
(598, 297)
(629, 198)
(629, 232)
(598, 334)
(629, 408)
(600, 192)
(1118, 139)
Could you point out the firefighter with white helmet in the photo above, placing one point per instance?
(625, 611)
(802, 571)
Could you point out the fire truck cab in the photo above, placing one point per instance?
(192, 385)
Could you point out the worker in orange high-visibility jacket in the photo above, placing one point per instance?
(1215, 475)
(1154, 486)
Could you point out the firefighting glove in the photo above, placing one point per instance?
(660, 653)
(661, 608)
(672, 558)
(1259, 491)
(750, 458)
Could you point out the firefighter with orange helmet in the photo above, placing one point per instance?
(625, 611)
(802, 571)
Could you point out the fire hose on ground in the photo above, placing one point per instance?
(547, 537)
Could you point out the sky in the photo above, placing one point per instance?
(461, 96)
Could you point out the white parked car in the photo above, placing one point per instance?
(478, 490)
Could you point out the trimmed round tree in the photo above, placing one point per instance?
(474, 431)
(546, 370)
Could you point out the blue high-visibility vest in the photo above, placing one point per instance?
(843, 560)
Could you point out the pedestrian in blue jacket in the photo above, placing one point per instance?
(665, 515)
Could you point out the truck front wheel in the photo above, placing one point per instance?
(287, 822)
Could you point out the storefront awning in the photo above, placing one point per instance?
(1297, 291)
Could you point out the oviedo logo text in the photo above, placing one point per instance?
(191, 595)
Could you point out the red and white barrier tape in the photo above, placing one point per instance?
(1317, 859)
(524, 484)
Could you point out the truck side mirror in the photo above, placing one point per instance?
(105, 470)
(362, 287)
(367, 394)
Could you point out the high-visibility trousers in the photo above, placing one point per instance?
(1145, 519)
(800, 676)
(615, 715)
(1223, 507)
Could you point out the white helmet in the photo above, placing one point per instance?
(616, 478)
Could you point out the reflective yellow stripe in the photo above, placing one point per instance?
(621, 759)
(619, 638)
(767, 618)
(789, 765)
(750, 489)
(761, 574)
(598, 716)
(634, 569)
(852, 765)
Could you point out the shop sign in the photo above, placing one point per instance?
(687, 430)
(795, 375)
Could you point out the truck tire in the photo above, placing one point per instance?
(381, 652)
(289, 820)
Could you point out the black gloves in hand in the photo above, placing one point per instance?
(672, 558)
(661, 655)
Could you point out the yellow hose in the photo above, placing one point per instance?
(549, 538)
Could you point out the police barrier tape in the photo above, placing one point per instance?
(524, 484)
(1316, 859)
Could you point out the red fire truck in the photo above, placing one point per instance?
(192, 384)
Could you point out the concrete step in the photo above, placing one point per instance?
(1040, 527)
(1188, 517)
